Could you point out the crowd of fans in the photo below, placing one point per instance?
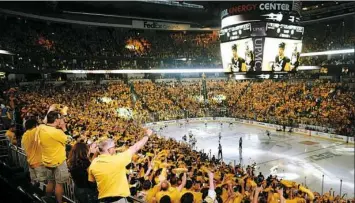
(336, 34)
(49, 45)
(81, 141)
(162, 170)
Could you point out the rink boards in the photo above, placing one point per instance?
(312, 133)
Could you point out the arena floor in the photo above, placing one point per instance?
(303, 159)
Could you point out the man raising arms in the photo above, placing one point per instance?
(108, 170)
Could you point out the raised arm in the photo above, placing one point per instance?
(256, 194)
(183, 183)
(281, 194)
(210, 179)
(139, 145)
(148, 171)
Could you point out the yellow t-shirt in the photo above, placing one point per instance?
(295, 200)
(11, 136)
(197, 195)
(238, 198)
(32, 148)
(52, 141)
(109, 172)
(224, 195)
(173, 193)
(149, 198)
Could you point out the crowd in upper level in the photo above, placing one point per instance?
(51, 45)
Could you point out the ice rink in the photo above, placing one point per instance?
(291, 156)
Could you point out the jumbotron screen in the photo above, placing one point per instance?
(264, 39)
(255, 54)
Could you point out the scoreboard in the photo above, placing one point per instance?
(260, 37)
(284, 31)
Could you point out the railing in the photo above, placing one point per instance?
(17, 156)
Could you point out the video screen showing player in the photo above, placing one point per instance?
(295, 59)
(237, 63)
(249, 58)
(282, 62)
(281, 55)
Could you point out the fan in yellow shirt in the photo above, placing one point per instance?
(10, 134)
(172, 192)
(108, 170)
(197, 195)
(33, 152)
(52, 141)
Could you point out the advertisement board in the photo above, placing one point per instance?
(281, 54)
(158, 25)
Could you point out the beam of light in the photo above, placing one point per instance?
(5, 52)
(210, 70)
(308, 67)
(332, 52)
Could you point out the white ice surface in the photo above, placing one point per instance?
(282, 155)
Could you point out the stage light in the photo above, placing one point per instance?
(332, 52)
(5, 52)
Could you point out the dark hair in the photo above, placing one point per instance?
(282, 45)
(147, 185)
(52, 116)
(204, 192)
(78, 155)
(165, 199)
(173, 180)
(133, 191)
(30, 123)
(218, 191)
(187, 198)
(234, 47)
(219, 199)
(188, 184)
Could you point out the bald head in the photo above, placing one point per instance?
(107, 146)
(164, 185)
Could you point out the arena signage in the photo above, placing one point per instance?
(159, 25)
(242, 31)
(235, 32)
(257, 7)
(284, 31)
(258, 50)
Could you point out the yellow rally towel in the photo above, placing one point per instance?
(288, 183)
(178, 171)
(309, 192)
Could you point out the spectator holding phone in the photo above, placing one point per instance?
(53, 141)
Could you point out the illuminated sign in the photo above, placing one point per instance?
(235, 32)
(258, 7)
(284, 31)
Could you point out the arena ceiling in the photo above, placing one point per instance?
(208, 16)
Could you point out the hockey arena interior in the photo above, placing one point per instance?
(177, 101)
